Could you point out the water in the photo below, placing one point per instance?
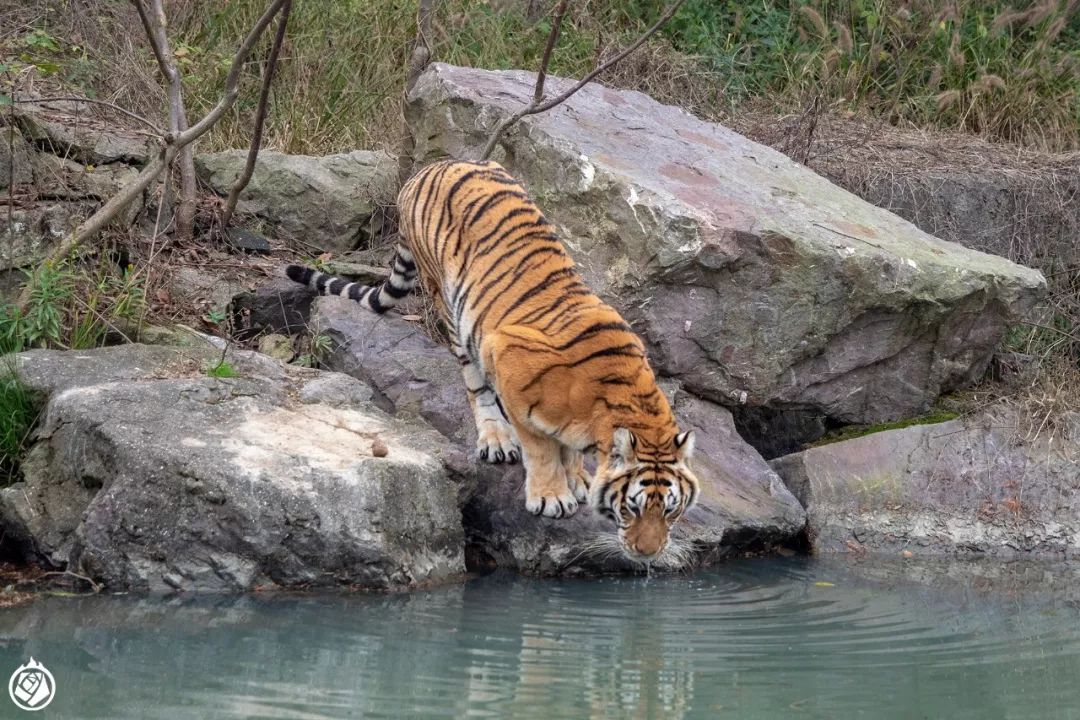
(753, 639)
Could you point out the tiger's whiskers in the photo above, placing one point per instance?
(678, 555)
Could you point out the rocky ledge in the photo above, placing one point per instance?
(147, 474)
(991, 483)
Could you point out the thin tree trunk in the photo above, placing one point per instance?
(155, 24)
(260, 119)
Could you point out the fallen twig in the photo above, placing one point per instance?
(95, 586)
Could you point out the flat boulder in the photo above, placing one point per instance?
(74, 131)
(983, 484)
(743, 505)
(755, 281)
(329, 201)
(148, 474)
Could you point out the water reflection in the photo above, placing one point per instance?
(754, 639)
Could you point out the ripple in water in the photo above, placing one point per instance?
(763, 638)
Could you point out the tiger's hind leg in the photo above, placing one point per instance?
(577, 477)
(496, 441)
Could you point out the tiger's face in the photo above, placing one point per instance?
(644, 490)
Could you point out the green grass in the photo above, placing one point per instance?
(975, 65)
(221, 369)
(856, 431)
(345, 62)
(972, 65)
(19, 409)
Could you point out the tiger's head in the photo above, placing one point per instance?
(644, 489)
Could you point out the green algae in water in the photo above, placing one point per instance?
(765, 638)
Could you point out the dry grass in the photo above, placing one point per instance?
(100, 50)
(1043, 392)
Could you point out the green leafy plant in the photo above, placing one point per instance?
(72, 308)
(216, 317)
(319, 347)
(221, 369)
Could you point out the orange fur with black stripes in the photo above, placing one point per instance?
(552, 372)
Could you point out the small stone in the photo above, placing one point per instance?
(907, 554)
(157, 335)
(277, 346)
(173, 580)
(379, 449)
(246, 240)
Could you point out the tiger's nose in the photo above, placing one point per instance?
(648, 549)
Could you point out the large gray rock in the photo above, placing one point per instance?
(743, 503)
(55, 191)
(61, 178)
(980, 484)
(149, 475)
(754, 280)
(330, 202)
(35, 230)
(76, 133)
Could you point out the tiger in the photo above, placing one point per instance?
(552, 372)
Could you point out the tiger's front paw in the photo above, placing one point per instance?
(579, 481)
(553, 506)
(496, 443)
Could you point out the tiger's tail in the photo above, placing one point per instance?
(377, 298)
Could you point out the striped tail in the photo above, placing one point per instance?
(377, 298)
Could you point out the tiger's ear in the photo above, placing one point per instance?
(684, 445)
(623, 443)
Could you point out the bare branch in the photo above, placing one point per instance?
(233, 78)
(537, 106)
(95, 586)
(553, 37)
(93, 225)
(260, 118)
(134, 116)
(155, 28)
(11, 171)
(418, 61)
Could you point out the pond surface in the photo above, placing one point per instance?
(753, 639)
